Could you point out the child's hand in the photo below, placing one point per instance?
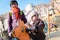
(10, 34)
(27, 25)
(18, 22)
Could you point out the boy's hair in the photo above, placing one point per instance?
(13, 2)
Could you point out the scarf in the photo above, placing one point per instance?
(16, 11)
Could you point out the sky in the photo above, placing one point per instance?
(5, 4)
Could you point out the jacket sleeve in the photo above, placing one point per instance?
(41, 24)
(9, 23)
(24, 18)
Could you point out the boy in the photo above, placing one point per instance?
(14, 16)
(36, 30)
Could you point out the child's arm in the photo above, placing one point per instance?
(9, 23)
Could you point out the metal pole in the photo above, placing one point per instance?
(48, 18)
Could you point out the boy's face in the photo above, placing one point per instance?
(35, 18)
(14, 8)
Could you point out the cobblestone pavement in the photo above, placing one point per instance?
(54, 35)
